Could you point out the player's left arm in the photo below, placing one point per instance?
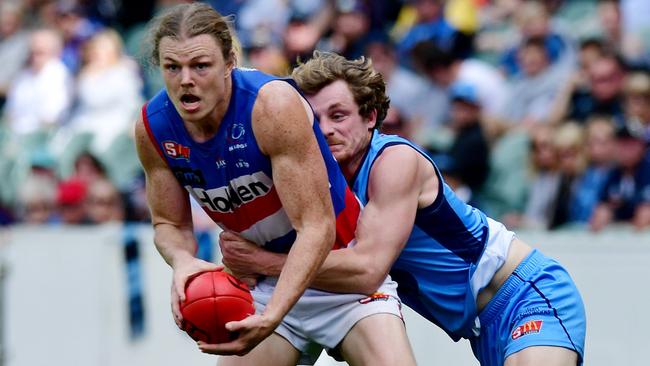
(383, 229)
(283, 130)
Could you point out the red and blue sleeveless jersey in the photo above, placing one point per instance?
(231, 178)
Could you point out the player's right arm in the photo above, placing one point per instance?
(171, 218)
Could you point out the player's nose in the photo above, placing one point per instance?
(326, 127)
(186, 77)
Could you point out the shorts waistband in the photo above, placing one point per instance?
(527, 267)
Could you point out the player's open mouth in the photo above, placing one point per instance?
(190, 102)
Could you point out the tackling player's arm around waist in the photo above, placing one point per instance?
(399, 184)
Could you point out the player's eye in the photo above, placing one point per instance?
(171, 67)
(202, 66)
(338, 117)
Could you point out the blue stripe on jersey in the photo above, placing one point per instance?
(445, 225)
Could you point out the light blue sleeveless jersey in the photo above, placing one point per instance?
(442, 253)
(445, 263)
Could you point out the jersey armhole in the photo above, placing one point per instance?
(439, 197)
(147, 126)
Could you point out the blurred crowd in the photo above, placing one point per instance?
(537, 112)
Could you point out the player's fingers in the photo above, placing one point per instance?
(178, 317)
(235, 326)
(208, 266)
(225, 349)
(179, 286)
(228, 236)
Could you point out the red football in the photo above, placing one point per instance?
(213, 299)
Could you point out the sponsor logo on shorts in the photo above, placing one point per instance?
(531, 326)
(377, 296)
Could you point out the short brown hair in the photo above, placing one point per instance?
(191, 20)
(365, 83)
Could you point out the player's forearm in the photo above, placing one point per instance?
(348, 271)
(305, 257)
(344, 271)
(174, 243)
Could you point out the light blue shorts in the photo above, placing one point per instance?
(538, 305)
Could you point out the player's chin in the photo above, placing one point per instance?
(339, 153)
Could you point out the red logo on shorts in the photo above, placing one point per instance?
(531, 326)
(375, 297)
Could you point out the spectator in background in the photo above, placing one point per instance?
(350, 31)
(626, 195)
(39, 97)
(108, 94)
(430, 26)
(395, 124)
(534, 90)
(636, 27)
(545, 180)
(71, 202)
(533, 20)
(466, 166)
(104, 203)
(636, 93)
(259, 17)
(422, 104)
(14, 45)
(37, 200)
(306, 27)
(268, 57)
(599, 154)
(624, 39)
(76, 28)
(88, 168)
(569, 143)
(443, 69)
(609, 16)
(603, 95)
(591, 50)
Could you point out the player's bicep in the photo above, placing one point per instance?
(284, 132)
(387, 220)
(168, 201)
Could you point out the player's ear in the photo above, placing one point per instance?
(230, 64)
(371, 120)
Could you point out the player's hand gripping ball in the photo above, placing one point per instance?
(213, 299)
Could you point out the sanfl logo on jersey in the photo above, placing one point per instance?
(531, 326)
(176, 151)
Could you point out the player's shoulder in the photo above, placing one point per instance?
(278, 91)
(393, 146)
(157, 103)
(397, 156)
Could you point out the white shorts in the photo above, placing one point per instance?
(322, 319)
